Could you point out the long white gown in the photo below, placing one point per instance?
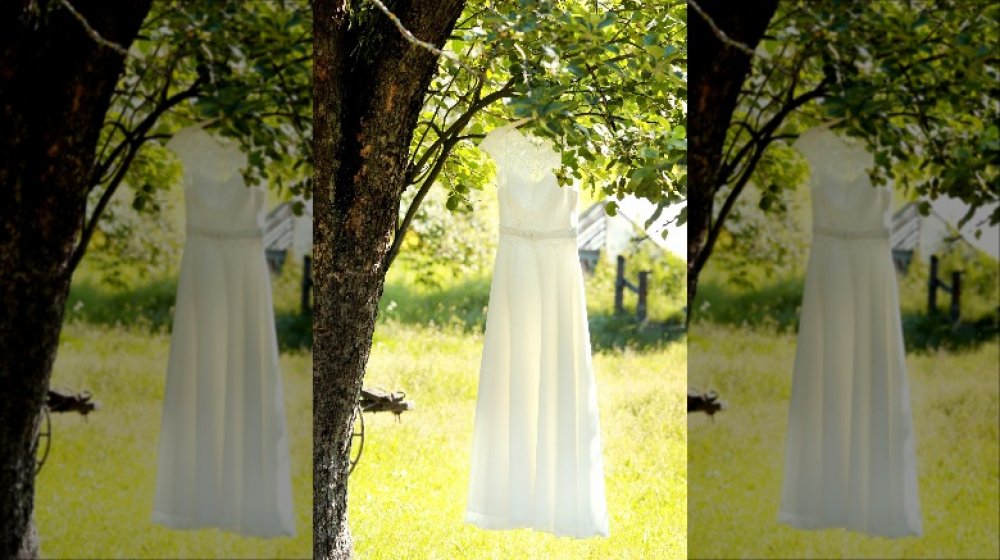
(536, 458)
(850, 458)
(223, 451)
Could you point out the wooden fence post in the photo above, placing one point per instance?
(640, 308)
(955, 289)
(620, 286)
(642, 289)
(932, 285)
(956, 293)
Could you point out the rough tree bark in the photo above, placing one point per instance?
(716, 73)
(56, 83)
(368, 87)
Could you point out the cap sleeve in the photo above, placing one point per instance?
(491, 144)
(181, 144)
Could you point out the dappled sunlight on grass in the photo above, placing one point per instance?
(736, 461)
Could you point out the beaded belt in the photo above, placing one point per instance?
(567, 233)
(880, 233)
(251, 233)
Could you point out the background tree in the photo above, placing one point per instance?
(604, 80)
(86, 100)
(916, 81)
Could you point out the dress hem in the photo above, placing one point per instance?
(495, 523)
(816, 524)
(185, 523)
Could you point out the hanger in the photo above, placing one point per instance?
(519, 122)
(207, 122)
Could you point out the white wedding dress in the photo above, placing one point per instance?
(850, 458)
(536, 458)
(223, 450)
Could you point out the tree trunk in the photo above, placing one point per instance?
(716, 73)
(56, 83)
(368, 89)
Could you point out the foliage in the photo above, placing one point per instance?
(916, 81)
(130, 242)
(735, 461)
(606, 81)
(448, 239)
(766, 234)
(241, 68)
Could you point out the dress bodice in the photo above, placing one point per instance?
(843, 198)
(530, 196)
(215, 196)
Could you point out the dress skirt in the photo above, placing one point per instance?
(536, 459)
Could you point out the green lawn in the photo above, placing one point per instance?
(95, 493)
(408, 492)
(407, 498)
(736, 461)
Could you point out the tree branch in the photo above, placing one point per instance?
(460, 124)
(133, 143)
(764, 139)
(93, 32)
(720, 34)
(411, 38)
(446, 142)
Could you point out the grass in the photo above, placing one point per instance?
(408, 492)
(95, 493)
(407, 495)
(736, 462)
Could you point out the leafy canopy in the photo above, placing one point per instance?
(916, 81)
(605, 80)
(243, 69)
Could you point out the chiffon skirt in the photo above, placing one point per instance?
(850, 458)
(536, 458)
(223, 450)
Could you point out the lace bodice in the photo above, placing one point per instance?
(216, 199)
(530, 196)
(843, 199)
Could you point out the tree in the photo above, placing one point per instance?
(916, 81)
(56, 86)
(79, 114)
(604, 80)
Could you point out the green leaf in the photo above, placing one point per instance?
(609, 19)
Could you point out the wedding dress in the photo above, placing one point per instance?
(536, 458)
(223, 450)
(850, 458)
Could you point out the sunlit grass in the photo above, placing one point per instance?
(95, 493)
(736, 461)
(408, 493)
